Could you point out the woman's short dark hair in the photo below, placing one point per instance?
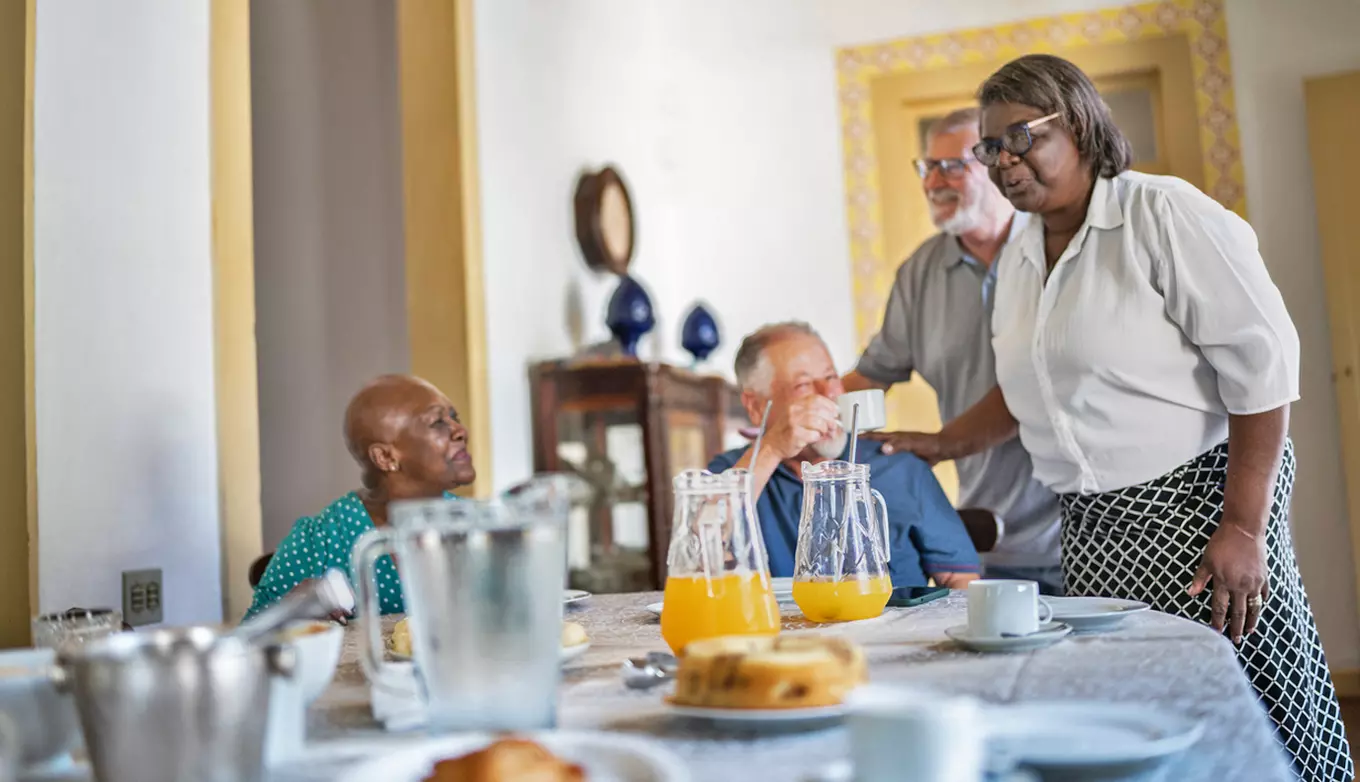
(1052, 84)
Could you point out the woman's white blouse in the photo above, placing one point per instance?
(1158, 320)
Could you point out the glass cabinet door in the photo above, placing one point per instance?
(607, 539)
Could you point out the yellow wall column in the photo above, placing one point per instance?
(15, 323)
(238, 407)
(444, 292)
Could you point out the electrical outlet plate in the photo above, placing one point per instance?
(142, 597)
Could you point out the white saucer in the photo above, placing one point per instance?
(575, 596)
(782, 588)
(748, 717)
(1093, 613)
(1090, 737)
(655, 608)
(1049, 633)
(570, 653)
(606, 756)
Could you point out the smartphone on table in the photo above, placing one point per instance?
(905, 597)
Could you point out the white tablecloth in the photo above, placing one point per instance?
(1152, 659)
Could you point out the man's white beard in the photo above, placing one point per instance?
(833, 446)
(966, 217)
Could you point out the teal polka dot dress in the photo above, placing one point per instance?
(317, 544)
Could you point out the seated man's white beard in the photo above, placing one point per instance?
(965, 218)
(833, 446)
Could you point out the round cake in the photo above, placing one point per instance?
(768, 672)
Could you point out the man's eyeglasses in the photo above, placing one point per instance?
(950, 167)
(1017, 140)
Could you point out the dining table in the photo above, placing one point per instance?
(1149, 658)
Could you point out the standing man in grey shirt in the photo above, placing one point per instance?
(938, 323)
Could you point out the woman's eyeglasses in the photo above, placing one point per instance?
(950, 167)
(1017, 140)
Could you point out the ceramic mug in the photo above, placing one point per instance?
(872, 415)
(999, 607)
(897, 733)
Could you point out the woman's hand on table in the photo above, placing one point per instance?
(1234, 563)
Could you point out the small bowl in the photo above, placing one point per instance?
(47, 724)
(318, 646)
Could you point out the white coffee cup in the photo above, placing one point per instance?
(872, 415)
(897, 733)
(999, 607)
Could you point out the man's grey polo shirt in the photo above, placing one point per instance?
(938, 323)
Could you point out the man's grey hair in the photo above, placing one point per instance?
(752, 370)
(967, 117)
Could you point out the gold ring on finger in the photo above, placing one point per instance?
(1256, 602)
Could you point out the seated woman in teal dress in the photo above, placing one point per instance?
(409, 444)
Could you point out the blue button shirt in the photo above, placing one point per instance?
(926, 533)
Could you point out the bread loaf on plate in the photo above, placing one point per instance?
(768, 672)
(507, 760)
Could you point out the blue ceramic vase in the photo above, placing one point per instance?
(630, 314)
(699, 334)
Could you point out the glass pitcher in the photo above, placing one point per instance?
(840, 567)
(718, 575)
(482, 582)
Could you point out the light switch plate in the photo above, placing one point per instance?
(142, 597)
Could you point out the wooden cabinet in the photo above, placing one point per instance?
(627, 427)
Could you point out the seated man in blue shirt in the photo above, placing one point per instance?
(789, 364)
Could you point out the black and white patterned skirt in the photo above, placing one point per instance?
(1145, 543)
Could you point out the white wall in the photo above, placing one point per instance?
(329, 267)
(127, 450)
(722, 117)
(1275, 46)
(855, 22)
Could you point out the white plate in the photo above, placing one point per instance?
(761, 716)
(1093, 613)
(1049, 634)
(1086, 736)
(575, 596)
(607, 757)
(782, 588)
(844, 771)
(570, 653)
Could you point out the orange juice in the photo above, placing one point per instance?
(696, 607)
(842, 601)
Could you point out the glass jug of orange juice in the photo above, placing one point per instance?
(718, 575)
(840, 567)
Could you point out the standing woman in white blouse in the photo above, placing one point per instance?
(1148, 363)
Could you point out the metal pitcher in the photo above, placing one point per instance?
(173, 705)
